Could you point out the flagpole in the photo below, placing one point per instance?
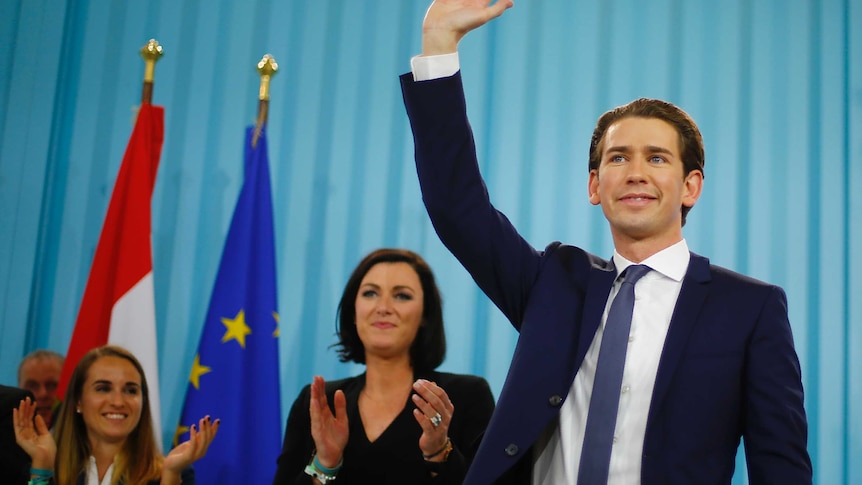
(266, 68)
(151, 52)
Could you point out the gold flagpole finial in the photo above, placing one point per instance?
(266, 68)
(151, 52)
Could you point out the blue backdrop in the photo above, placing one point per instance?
(776, 86)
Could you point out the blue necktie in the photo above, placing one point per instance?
(605, 400)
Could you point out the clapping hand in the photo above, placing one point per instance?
(330, 432)
(189, 451)
(33, 436)
(434, 413)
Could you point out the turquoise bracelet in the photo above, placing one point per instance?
(41, 472)
(42, 476)
(327, 471)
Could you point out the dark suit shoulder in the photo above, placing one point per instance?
(574, 257)
(741, 283)
(11, 396)
(721, 273)
(703, 270)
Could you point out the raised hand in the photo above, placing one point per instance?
(447, 21)
(434, 413)
(330, 432)
(33, 436)
(189, 451)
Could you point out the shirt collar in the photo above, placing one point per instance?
(671, 261)
(93, 473)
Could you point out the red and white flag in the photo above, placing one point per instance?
(118, 307)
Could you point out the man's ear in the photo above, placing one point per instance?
(693, 187)
(593, 187)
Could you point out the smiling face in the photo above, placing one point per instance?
(389, 308)
(111, 400)
(640, 183)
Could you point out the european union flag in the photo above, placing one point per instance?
(235, 372)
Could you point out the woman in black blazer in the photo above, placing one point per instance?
(400, 421)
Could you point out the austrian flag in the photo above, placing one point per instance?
(118, 305)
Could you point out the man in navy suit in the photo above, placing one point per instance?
(710, 359)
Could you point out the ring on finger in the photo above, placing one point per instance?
(436, 420)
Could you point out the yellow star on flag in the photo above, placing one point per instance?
(236, 328)
(275, 332)
(197, 371)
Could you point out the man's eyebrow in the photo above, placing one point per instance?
(628, 149)
(658, 149)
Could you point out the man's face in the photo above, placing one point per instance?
(640, 183)
(40, 376)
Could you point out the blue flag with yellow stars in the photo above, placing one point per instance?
(234, 376)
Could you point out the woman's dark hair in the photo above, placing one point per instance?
(429, 347)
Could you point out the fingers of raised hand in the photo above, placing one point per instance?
(22, 417)
(201, 437)
(24, 413)
(318, 394)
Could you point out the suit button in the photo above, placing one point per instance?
(512, 449)
(555, 400)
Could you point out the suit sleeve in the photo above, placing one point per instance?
(775, 428)
(298, 444)
(501, 262)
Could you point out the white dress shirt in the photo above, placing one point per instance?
(557, 456)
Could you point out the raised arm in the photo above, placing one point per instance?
(448, 21)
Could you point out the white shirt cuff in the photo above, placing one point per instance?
(426, 68)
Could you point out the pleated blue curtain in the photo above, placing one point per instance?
(774, 86)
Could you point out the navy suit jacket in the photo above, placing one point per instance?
(728, 369)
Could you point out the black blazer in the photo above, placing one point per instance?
(728, 369)
(14, 463)
(395, 457)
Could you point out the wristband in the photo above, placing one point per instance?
(329, 471)
(316, 470)
(40, 476)
(41, 472)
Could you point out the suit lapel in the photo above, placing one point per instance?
(695, 288)
(601, 281)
